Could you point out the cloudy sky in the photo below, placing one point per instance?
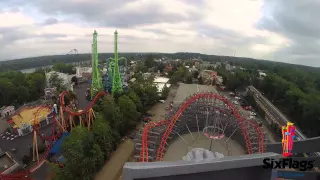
(278, 30)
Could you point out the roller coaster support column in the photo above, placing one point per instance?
(91, 116)
(63, 123)
(35, 146)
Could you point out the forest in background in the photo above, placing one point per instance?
(35, 62)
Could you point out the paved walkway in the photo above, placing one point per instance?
(81, 97)
(113, 168)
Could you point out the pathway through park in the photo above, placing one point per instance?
(113, 168)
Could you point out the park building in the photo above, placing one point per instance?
(161, 82)
(210, 77)
(7, 163)
(83, 72)
(6, 111)
(205, 65)
(262, 75)
(66, 79)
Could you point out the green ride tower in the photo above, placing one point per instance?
(96, 83)
(116, 78)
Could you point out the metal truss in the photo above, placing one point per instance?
(199, 112)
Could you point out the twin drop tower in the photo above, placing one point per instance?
(113, 69)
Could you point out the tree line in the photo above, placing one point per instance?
(35, 62)
(17, 88)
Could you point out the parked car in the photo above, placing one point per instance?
(237, 98)
(148, 114)
(146, 119)
(235, 102)
(222, 88)
(232, 94)
(162, 101)
(248, 108)
(252, 113)
(241, 100)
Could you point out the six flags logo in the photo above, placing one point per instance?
(288, 135)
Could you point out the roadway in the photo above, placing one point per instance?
(81, 97)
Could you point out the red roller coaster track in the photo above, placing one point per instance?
(241, 122)
(84, 111)
(24, 175)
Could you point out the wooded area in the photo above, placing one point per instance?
(17, 88)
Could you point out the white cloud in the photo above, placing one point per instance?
(14, 19)
(240, 15)
(213, 27)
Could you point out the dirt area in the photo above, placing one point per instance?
(186, 90)
(110, 170)
(180, 148)
(26, 116)
(159, 110)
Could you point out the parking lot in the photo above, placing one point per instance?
(235, 102)
(246, 114)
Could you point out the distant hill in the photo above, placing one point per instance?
(34, 62)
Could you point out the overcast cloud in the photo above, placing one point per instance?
(278, 30)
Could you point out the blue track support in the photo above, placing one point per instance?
(56, 149)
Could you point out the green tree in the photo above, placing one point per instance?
(147, 91)
(188, 79)
(17, 88)
(195, 74)
(64, 68)
(161, 67)
(112, 114)
(200, 81)
(7, 91)
(149, 61)
(57, 82)
(133, 96)
(36, 84)
(165, 92)
(129, 111)
(140, 67)
(103, 135)
(83, 156)
(174, 79)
